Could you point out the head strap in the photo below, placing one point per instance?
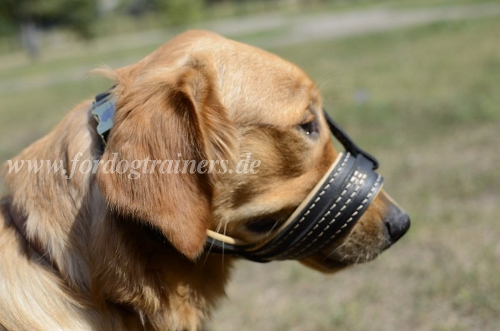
(328, 212)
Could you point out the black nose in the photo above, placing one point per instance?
(397, 223)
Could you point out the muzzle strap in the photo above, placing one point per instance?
(332, 211)
(328, 212)
(347, 142)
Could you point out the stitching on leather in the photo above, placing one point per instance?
(357, 179)
(348, 155)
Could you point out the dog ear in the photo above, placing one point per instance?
(167, 116)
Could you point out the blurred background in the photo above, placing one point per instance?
(415, 82)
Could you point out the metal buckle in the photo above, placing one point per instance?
(103, 111)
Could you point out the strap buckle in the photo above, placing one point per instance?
(103, 110)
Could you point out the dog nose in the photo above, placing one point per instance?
(397, 223)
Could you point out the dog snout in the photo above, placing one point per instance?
(396, 220)
(397, 223)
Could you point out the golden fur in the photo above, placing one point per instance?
(103, 268)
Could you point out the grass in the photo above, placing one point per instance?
(425, 102)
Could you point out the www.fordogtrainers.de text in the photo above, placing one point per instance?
(134, 168)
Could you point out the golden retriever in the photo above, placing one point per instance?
(101, 250)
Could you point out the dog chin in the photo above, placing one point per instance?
(336, 260)
(324, 265)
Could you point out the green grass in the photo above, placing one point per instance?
(426, 102)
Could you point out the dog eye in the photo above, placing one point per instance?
(310, 128)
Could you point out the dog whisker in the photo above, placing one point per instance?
(223, 245)
(334, 251)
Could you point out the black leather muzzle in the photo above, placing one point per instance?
(329, 211)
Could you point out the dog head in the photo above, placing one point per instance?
(211, 104)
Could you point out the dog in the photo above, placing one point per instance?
(89, 247)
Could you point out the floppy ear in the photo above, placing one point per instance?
(167, 116)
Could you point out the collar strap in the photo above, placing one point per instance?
(329, 211)
(104, 108)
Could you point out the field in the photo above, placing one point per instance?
(426, 102)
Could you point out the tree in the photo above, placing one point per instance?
(29, 17)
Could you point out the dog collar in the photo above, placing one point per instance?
(334, 205)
